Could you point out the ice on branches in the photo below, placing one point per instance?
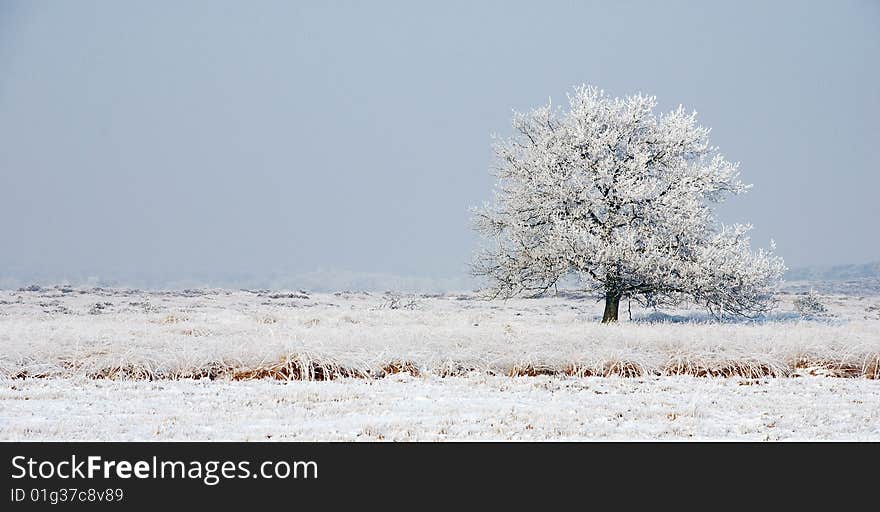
(622, 199)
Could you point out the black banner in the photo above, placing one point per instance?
(244, 475)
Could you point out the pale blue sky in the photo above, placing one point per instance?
(171, 138)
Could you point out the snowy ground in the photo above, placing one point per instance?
(115, 364)
(433, 408)
(133, 334)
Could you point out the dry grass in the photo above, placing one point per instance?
(743, 368)
(225, 335)
(867, 366)
(297, 367)
(395, 367)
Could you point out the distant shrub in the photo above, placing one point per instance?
(396, 301)
(809, 305)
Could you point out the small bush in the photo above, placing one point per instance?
(809, 305)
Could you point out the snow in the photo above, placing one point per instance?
(477, 407)
(66, 335)
(173, 334)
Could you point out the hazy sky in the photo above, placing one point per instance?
(170, 138)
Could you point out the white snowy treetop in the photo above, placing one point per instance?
(621, 198)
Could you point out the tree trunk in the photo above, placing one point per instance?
(612, 304)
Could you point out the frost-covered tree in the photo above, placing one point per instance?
(621, 199)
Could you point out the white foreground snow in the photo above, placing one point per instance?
(431, 408)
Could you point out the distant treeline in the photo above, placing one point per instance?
(834, 272)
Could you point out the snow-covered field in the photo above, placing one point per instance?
(118, 364)
(432, 408)
(239, 334)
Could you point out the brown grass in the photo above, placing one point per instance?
(299, 367)
(123, 372)
(454, 370)
(172, 319)
(395, 367)
(744, 369)
(530, 370)
(210, 371)
(620, 368)
(867, 367)
(623, 369)
(872, 368)
(24, 374)
(295, 369)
